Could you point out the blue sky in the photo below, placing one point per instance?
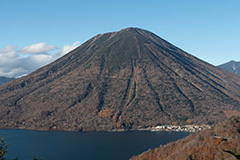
(207, 29)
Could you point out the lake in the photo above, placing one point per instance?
(25, 144)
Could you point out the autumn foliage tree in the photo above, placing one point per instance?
(219, 142)
(3, 148)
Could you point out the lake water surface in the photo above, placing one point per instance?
(25, 144)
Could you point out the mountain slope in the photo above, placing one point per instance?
(216, 143)
(126, 79)
(4, 80)
(231, 66)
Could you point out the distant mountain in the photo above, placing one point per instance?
(231, 66)
(221, 142)
(126, 79)
(5, 80)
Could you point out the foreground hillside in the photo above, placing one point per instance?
(215, 144)
(126, 79)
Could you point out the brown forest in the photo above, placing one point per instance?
(128, 79)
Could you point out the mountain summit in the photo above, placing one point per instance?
(126, 79)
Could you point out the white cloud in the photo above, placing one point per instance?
(67, 48)
(13, 64)
(8, 48)
(12, 72)
(10, 62)
(38, 48)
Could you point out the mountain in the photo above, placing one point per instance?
(221, 142)
(4, 80)
(126, 79)
(231, 66)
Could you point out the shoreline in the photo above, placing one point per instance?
(168, 128)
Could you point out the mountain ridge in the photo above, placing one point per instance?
(4, 80)
(231, 66)
(126, 79)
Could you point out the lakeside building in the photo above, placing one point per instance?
(186, 128)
